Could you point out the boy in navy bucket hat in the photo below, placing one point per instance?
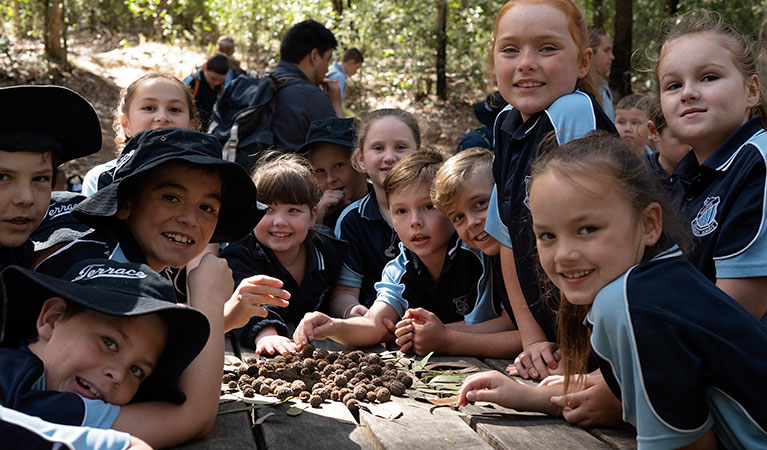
(107, 346)
(46, 126)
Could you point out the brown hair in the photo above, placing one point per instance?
(636, 101)
(605, 157)
(744, 53)
(370, 118)
(225, 45)
(451, 177)
(420, 166)
(352, 54)
(576, 25)
(595, 37)
(127, 95)
(285, 178)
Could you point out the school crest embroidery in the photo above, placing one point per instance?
(463, 305)
(527, 191)
(705, 222)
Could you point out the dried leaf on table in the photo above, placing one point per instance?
(261, 419)
(388, 410)
(447, 401)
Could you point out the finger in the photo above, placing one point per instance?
(407, 347)
(548, 358)
(403, 330)
(539, 369)
(522, 364)
(264, 280)
(387, 323)
(552, 380)
(558, 355)
(401, 340)
(511, 369)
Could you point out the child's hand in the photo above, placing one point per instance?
(490, 386)
(138, 444)
(275, 343)
(331, 200)
(552, 380)
(250, 296)
(420, 331)
(314, 325)
(356, 311)
(593, 405)
(210, 280)
(536, 360)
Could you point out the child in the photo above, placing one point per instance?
(461, 191)
(631, 116)
(285, 247)
(66, 128)
(670, 150)
(548, 88)
(152, 102)
(433, 271)
(350, 63)
(723, 180)
(684, 358)
(132, 360)
(385, 136)
(172, 195)
(206, 84)
(329, 145)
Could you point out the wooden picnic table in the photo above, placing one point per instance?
(419, 427)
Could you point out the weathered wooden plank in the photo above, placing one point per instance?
(497, 364)
(331, 426)
(230, 431)
(621, 437)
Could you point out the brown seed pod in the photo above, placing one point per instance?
(283, 392)
(252, 360)
(355, 356)
(327, 371)
(385, 378)
(256, 385)
(321, 364)
(341, 381)
(376, 382)
(335, 396)
(360, 392)
(279, 359)
(305, 372)
(374, 359)
(232, 384)
(332, 357)
(383, 394)
(263, 371)
(265, 389)
(315, 401)
(322, 392)
(249, 392)
(268, 381)
(336, 366)
(307, 351)
(353, 404)
(407, 381)
(396, 388)
(344, 391)
(304, 396)
(370, 396)
(377, 369)
(226, 378)
(252, 370)
(347, 397)
(320, 354)
(318, 385)
(310, 363)
(297, 386)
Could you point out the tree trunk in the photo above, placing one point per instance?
(55, 50)
(599, 19)
(338, 6)
(620, 78)
(441, 49)
(671, 7)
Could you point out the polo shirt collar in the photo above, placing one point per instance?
(368, 208)
(725, 154)
(513, 124)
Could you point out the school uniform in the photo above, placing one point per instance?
(372, 244)
(508, 216)
(17, 256)
(682, 356)
(659, 173)
(249, 257)
(724, 200)
(457, 293)
(204, 96)
(22, 387)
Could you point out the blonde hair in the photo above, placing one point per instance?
(417, 167)
(451, 177)
(285, 178)
(373, 116)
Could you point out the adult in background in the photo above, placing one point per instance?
(602, 61)
(350, 63)
(303, 95)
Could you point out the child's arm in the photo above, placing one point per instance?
(344, 302)
(163, 424)
(539, 355)
(269, 341)
(364, 331)
(501, 323)
(421, 331)
(250, 297)
(749, 292)
(592, 405)
(493, 386)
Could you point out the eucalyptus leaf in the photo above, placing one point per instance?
(295, 411)
(261, 419)
(419, 366)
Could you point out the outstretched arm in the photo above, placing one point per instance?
(364, 331)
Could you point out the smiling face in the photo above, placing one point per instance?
(388, 140)
(587, 233)
(172, 213)
(157, 103)
(25, 192)
(704, 96)
(632, 126)
(420, 226)
(468, 213)
(284, 228)
(333, 170)
(99, 356)
(536, 59)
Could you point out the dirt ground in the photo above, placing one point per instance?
(101, 68)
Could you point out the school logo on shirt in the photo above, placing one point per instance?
(705, 222)
(462, 305)
(527, 191)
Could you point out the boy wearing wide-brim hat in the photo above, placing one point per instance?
(107, 346)
(40, 128)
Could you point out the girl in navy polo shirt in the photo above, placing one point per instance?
(283, 251)
(542, 63)
(686, 360)
(711, 99)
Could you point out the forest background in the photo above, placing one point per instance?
(428, 56)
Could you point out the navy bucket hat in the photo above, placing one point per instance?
(332, 130)
(48, 118)
(150, 149)
(116, 289)
(58, 225)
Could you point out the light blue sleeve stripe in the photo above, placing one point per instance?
(493, 224)
(99, 414)
(389, 290)
(350, 278)
(84, 438)
(572, 116)
(483, 308)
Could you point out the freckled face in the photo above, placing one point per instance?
(25, 192)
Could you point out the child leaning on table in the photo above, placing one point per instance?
(434, 269)
(107, 346)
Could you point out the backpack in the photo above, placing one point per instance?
(242, 117)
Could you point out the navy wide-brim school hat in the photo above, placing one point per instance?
(48, 118)
(148, 149)
(116, 289)
(332, 130)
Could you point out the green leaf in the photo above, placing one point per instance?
(295, 411)
(417, 367)
(447, 379)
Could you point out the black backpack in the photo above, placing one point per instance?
(242, 117)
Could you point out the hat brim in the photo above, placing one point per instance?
(304, 149)
(238, 216)
(55, 112)
(188, 328)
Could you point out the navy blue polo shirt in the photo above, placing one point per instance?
(298, 104)
(22, 387)
(372, 244)
(508, 217)
(249, 257)
(17, 256)
(724, 200)
(659, 173)
(406, 283)
(682, 356)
